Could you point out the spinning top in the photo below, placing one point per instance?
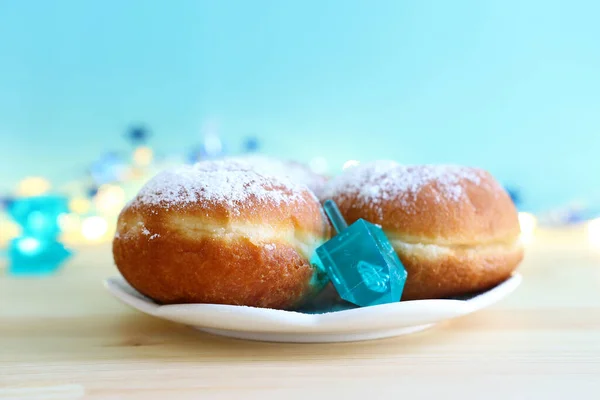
(360, 261)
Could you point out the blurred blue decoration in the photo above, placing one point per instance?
(574, 217)
(5, 201)
(37, 251)
(138, 135)
(572, 214)
(92, 191)
(109, 168)
(515, 195)
(212, 147)
(361, 262)
(579, 214)
(251, 144)
(194, 155)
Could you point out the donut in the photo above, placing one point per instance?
(454, 228)
(219, 232)
(292, 170)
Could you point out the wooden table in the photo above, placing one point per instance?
(64, 337)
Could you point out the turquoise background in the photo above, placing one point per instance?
(511, 86)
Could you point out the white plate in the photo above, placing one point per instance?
(355, 324)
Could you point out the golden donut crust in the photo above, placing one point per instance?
(455, 229)
(183, 244)
(458, 272)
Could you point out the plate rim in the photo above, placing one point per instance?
(284, 321)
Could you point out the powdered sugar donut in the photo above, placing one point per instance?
(220, 232)
(455, 228)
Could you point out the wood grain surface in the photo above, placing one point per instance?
(65, 337)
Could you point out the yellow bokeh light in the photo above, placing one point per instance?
(528, 224)
(80, 205)
(69, 222)
(110, 199)
(135, 173)
(593, 232)
(33, 186)
(8, 230)
(94, 228)
(142, 156)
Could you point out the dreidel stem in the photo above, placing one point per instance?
(335, 216)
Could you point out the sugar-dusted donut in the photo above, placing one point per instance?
(220, 232)
(454, 228)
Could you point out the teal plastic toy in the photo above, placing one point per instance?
(360, 261)
(38, 250)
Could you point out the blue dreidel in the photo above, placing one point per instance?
(38, 216)
(37, 251)
(31, 256)
(360, 261)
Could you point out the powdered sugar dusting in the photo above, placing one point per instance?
(296, 172)
(225, 182)
(143, 228)
(383, 180)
